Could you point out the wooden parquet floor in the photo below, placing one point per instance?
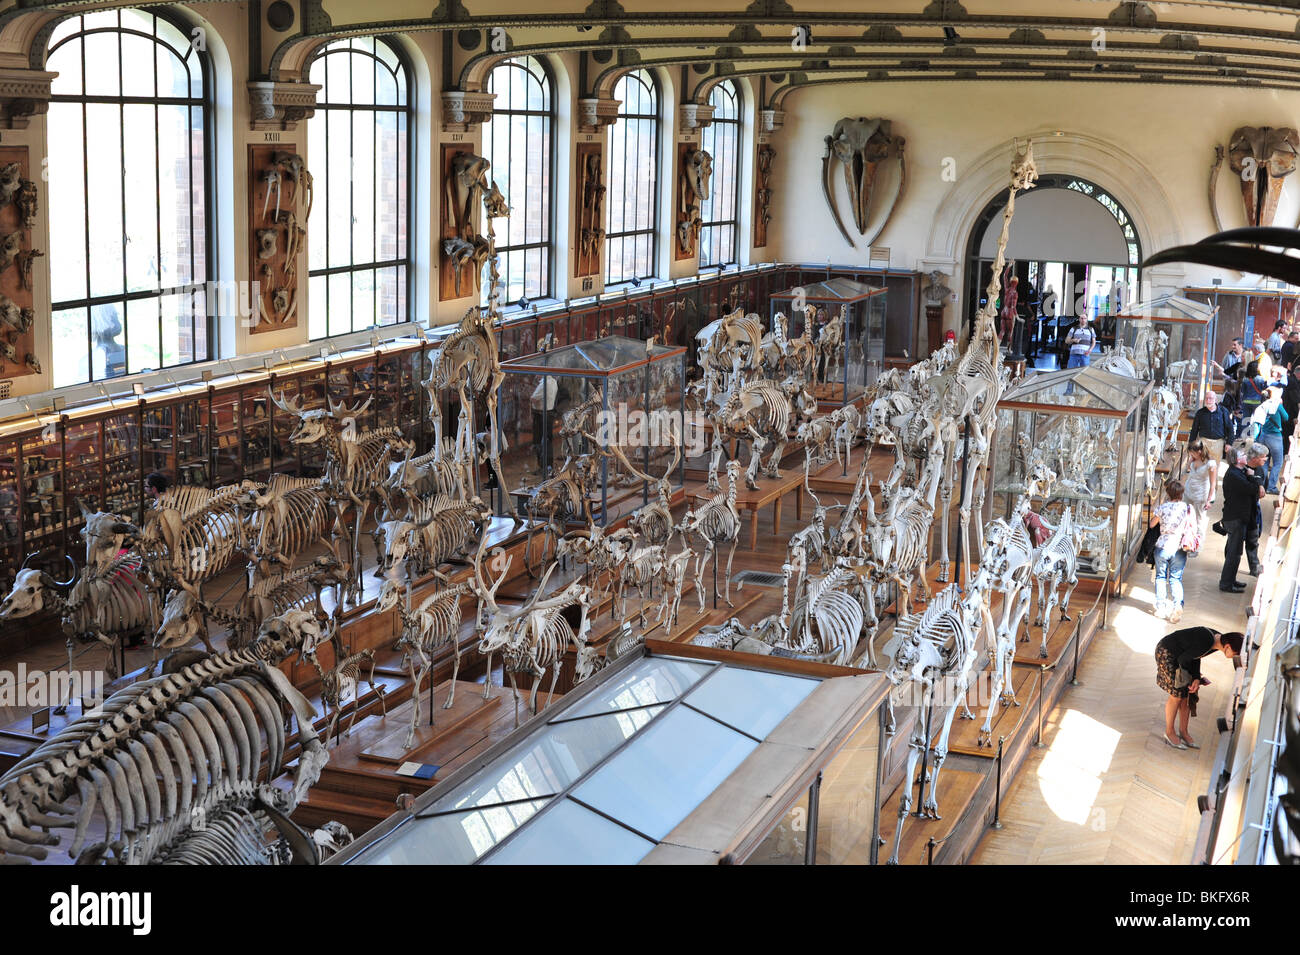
(1106, 789)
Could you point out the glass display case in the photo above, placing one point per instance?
(1183, 354)
(625, 392)
(845, 376)
(1090, 427)
(1244, 312)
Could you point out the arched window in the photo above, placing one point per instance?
(721, 140)
(130, 188)
(518, 141)
(633, 181)
(359, 146)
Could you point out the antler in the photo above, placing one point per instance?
(292, 405)
(339, 409)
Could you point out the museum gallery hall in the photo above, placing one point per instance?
(613, 433)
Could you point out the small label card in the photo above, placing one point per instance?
(41, 720)
(417, 770)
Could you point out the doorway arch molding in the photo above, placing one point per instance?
(1133, 185)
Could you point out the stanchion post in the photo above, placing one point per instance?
(1078, 633)
(997, 791)
(929, 848)
(1038, 737)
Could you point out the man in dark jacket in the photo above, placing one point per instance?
(1213, 424)
(1243, 486)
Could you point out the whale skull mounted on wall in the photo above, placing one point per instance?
(1270, 154)
(1261, 157)
(861, 145)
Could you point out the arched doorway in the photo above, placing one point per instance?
(1073, 247)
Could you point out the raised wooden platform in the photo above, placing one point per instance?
(771, 492)
(957, 791)
(360, 784)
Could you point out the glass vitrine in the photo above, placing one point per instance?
(1089, 426)
(617, 390)
(122, 467)
(845, 373)
(1172, 335)
(174, 436)
(222, 422)
(1244, 312)
(40, 489)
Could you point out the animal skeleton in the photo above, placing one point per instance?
(11, 179)
(654, 521)
(342, 683)
(433, 532)
(564, 497)
(760, 411)
(716, 522)
(940, 644)
(830, 344)
(27, 202)
(861, 145)
(355, 463)
(15, 318)
(426, 630)
(533, 637)
(11, 243)
(1056, 562)
(173, 767)
(897, 546)
(831, 616)
(696, 174)
(103, 606)
(468, 360)
(288, 514)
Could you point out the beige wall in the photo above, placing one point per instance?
(1152, 146)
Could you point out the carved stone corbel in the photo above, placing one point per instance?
(596, 113)
(23, 94)
(695, 116)
(769, 121)
(462, 111)
(279, 105)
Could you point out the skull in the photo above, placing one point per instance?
(698, 170)
(182, 621)
(27, 596)
(1262, 157)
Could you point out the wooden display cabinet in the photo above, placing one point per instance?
(174, 438)
(222, 424)
(255, 430)
(123, 474)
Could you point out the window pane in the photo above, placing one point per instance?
(361, 182)
(666, 772)
(102, 64)
(127, 184)
(67, 205)
(104, 132)
(70, 346)
(143, 188)
(138, 55)
(316, 291)
(143, 321)
(572, 835)
(66, 61)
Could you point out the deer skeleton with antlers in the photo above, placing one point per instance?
(356, 464)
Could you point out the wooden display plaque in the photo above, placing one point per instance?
(17, 320)
(589, 210)
(448, 280)
(763, 194)
(679, 204)
(271, 265)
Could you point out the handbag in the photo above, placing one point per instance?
(1191, 536)
(1218, 528)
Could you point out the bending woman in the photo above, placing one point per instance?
(1178, 673)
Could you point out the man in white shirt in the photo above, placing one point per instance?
(542, 401)
(1080, 340)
